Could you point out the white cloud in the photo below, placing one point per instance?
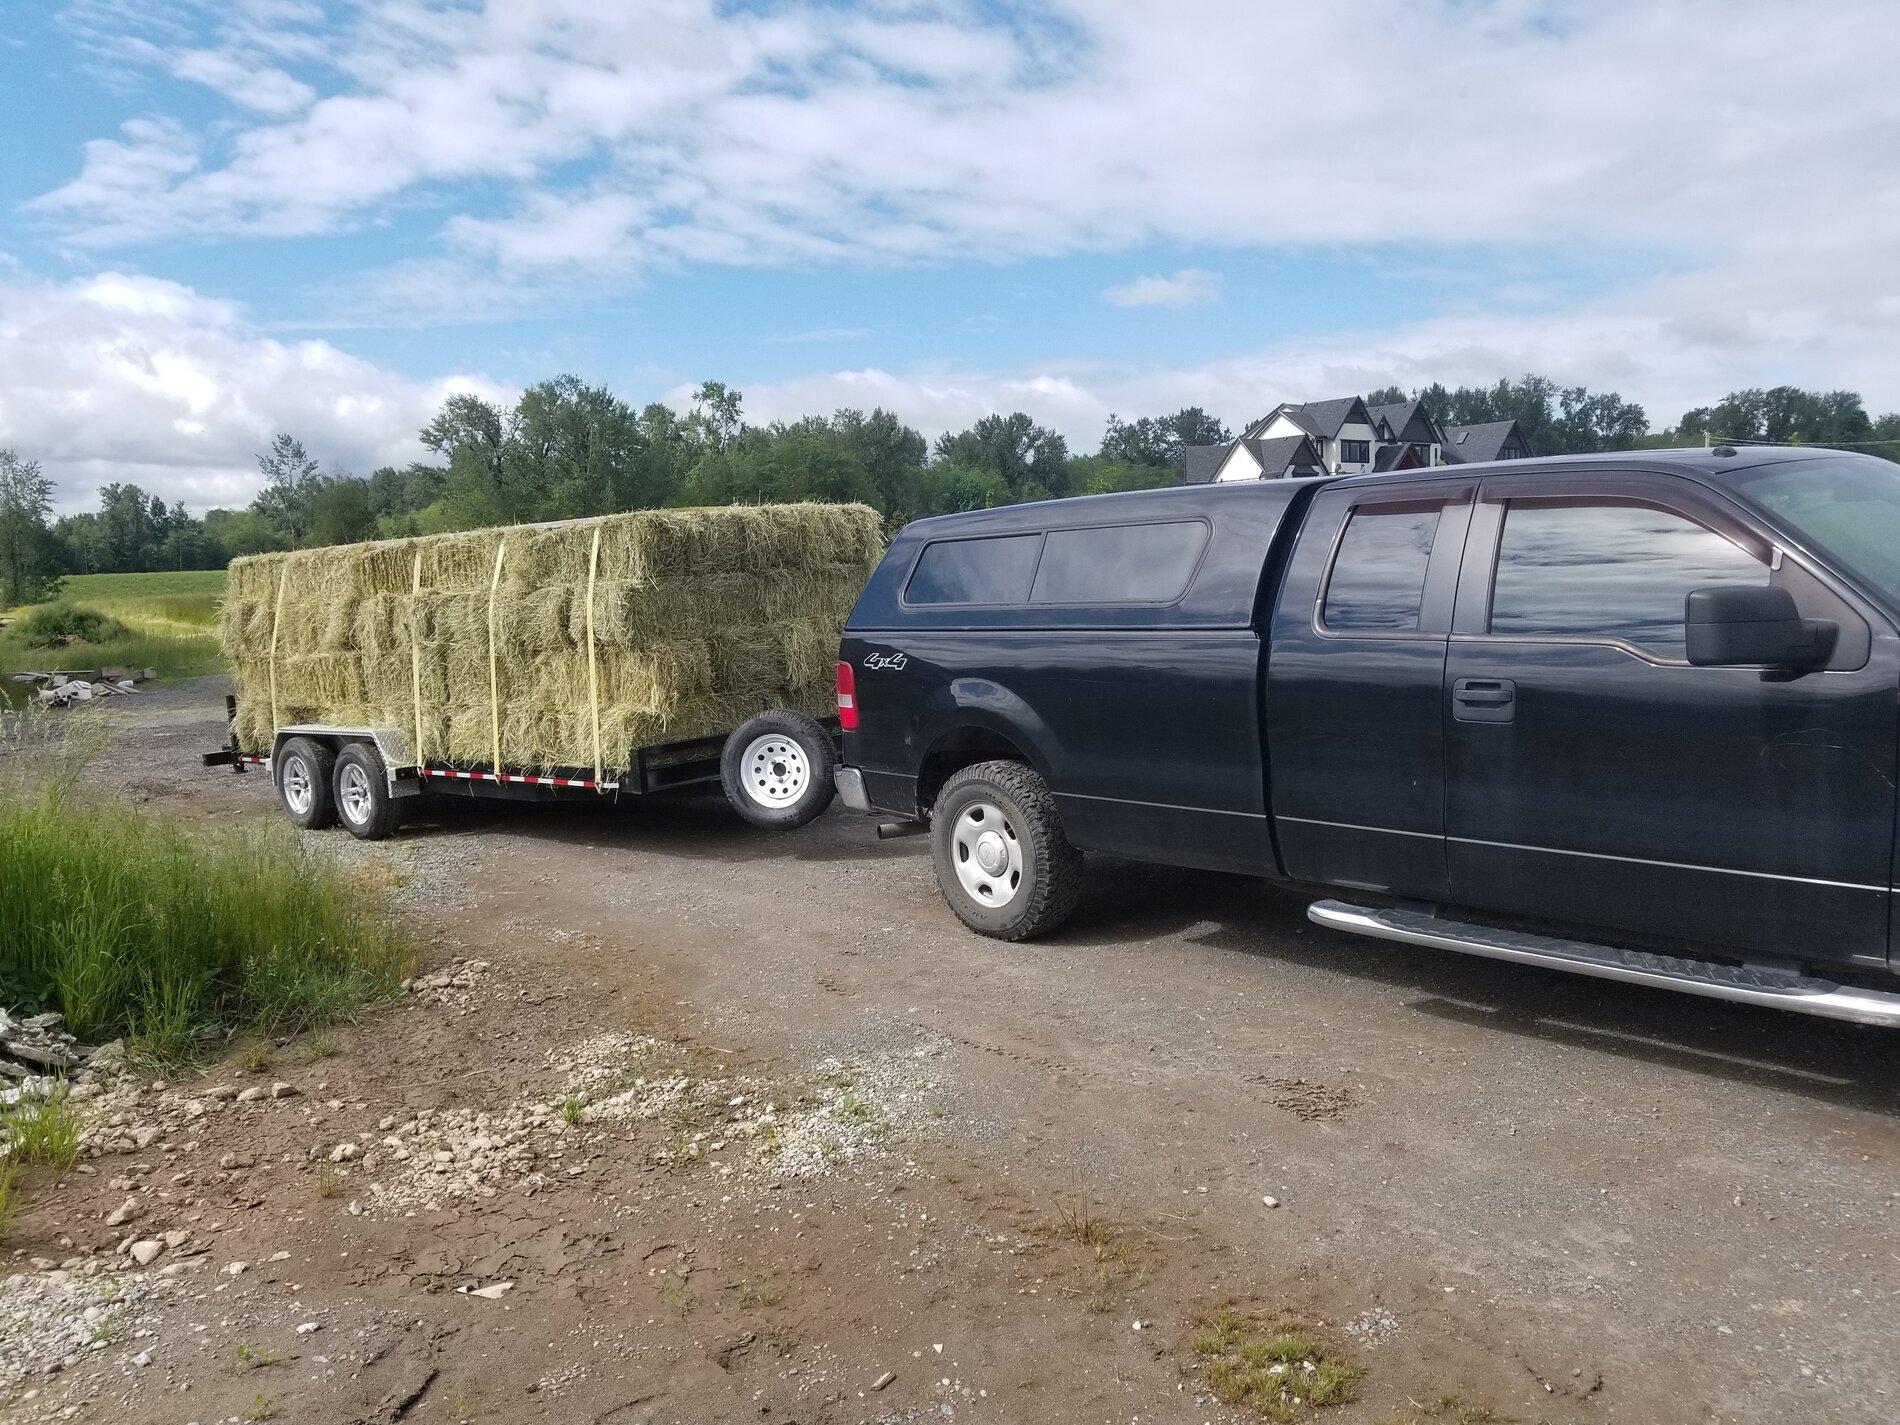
(937, 128)
(1672, 343)
(604, 140)
(676, 132)
(1183, 288)
(133, 378)
(243, 80)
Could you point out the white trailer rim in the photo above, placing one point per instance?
(775, 770)
(988, 855)
(354, 794)
(297, 785)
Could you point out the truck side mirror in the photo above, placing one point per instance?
(1746, 626)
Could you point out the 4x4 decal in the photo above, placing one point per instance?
(892, 661)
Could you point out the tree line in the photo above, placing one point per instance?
(567, 449)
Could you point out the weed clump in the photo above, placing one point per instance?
(1272, 1364)
(134, 927)
(55, 625)
(41, 1131)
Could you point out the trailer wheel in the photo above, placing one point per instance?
(363, 803)
(1002, 860)
(301, 770)
(777, 769)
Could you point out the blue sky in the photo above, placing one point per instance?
(228, 218)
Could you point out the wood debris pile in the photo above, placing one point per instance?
(66, 688)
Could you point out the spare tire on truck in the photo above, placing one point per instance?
(777, 769)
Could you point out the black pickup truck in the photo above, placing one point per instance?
(1631, 715)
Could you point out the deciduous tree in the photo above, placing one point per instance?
(28, 566)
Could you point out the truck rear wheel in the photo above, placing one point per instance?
(301, 770)
(1003, 862)
(363, 803)
(777, 769)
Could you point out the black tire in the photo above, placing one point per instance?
(361, 792)
(1038, 880)
(777, 769)
(301, 770)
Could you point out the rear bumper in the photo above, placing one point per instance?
(850, 784)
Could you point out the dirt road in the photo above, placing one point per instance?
(1007, 1177)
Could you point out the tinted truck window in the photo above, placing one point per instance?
(1378, 578)
(1598, 569)
(1119, 564)
(975, 571)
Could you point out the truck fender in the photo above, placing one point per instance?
(978, 704)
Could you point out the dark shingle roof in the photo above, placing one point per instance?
(1401, 415)
(1394, 416)
(1278, 455)
(1326, 417)
(1294, 413)
(1199, 462)
(1465, 445)
(1321, 419)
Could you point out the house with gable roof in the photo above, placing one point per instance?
(1347, 437)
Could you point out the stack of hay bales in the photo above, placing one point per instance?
(699, 618)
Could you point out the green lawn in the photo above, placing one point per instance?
(170, 620)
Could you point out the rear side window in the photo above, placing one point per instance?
(1378, 579)
(1119, 564)
(1607, 569)
(975, 571)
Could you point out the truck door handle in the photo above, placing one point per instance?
(1484, 691)
(1484, 699)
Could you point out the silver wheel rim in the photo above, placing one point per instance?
(987, 854)
(775, 770)
(298, 787)
(353, 793)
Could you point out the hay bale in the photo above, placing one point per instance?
(700, 618)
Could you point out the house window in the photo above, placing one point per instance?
(1355, 452)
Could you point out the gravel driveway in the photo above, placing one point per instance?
(1569, 1199)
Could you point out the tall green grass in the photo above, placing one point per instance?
(134, 926)
(176, 602)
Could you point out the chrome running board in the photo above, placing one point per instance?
(1745, 984)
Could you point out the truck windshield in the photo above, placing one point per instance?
(1847, 509)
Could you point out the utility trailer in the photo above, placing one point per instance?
(615, 655)
(775, 769)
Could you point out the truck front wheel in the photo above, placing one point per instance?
(302, 772)
(363, 803)
(1002, 860)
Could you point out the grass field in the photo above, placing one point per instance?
(183, 602)
(170, 620)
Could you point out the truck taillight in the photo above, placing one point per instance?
(847, 698)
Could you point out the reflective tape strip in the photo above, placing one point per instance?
(519, 779)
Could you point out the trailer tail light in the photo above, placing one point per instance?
(847, 697)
